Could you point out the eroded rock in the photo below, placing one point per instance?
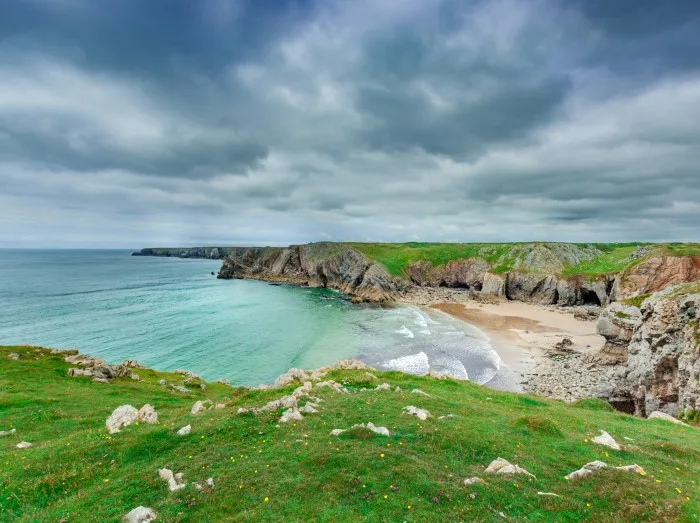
(421, 414)
(141, 515)
(23, 445)
(175, 481)
(184, 431)
(121, 417)
(502, 466)
(607, 440)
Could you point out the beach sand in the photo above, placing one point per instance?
(521, 333)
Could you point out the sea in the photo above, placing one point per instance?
(171, 313)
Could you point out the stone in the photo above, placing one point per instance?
(473, 481)
(418, 391)
(594, 466)
(147, 414)
(548, 494)
(308, 409)
(337, 432)
(607, 440)
(10, 432)
(502, 466)
(383, 431)
(371, 376)
(291, 415)
(121, 417)
(175, 481)
(666, 417)
(13, 356)
(447, 416)
(331, 384)
(220, 406)
(141, 515)
(136, 377)
(23, 445)
(383, 386)
(184, 431)
(163, 383)
(397, 389)
(201, 406)
(421, 414)
(180, 388)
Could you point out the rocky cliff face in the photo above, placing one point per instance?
(329, 265)
(663, 353)
(657, 273)
(212, 253)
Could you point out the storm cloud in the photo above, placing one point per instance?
(135, 123)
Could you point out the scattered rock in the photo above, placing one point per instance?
(501, 466)
(291, 415)
(223, 381)
(163, 383)
(13, 356)
(398, 389)
(184, 431)
(421, 414)
(23, 445)
(10, 432)
(175, 481)
(209, 483)
(121, 417)
(147, 414)
(447, 416)
(378, 430)
(666, 417)
(607, 440)
(371, 376)
(220, 406)
(383, 386)
(589, 468)
(473, 481)
(331, 384)
(137, 378)
(141, 515)
(337, 432)
(308, 409)
(564, 345)
(200, 406)
(418, 391)
(179, 388)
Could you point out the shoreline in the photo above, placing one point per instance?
(529, 340)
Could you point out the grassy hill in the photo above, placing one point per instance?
(598, 258)
(270, 471)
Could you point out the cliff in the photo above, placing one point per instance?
(212, 253)
(660, 345)
(332, 265)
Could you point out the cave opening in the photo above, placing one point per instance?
(589, 298)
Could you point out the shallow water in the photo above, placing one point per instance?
(172, 313)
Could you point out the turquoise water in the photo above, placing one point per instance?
(172, 313)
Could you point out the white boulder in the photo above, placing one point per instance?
(141, 515)
(666, 417)
(23, 445)
(147, 414)
(607, 440)
(502, 466)
(121, 417)
(421, 414)
(7, 432)
(175, 481)
(184, 431)
(291, 415)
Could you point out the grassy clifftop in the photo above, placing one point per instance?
(270, 471)
(568, 259)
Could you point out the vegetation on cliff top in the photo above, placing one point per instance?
(270, 471)
(607, 258)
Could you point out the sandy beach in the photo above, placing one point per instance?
(525, 336)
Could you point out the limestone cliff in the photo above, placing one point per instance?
(331, 265)
(212, 253)
(663, 353)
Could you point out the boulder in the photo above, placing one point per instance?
(184, 431)
(473, 481)
(10, 432)
(494, 285)
(502, 466)
(383, 386)
(141, 515)
(421, 414)
(607, 440)
(594, 466)
(23, 445)
(13, 356)
(383, 431)
(663, 416)
(121, 417)
(291, 415)
(175, 481)
(200, 406)
(147, 414)
(337, 432)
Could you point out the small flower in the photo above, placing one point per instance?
(107, 480)
(385, 496)
(266, 500)
(381, 455)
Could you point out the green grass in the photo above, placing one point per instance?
(77, 472)
(636, 301)
(615, 258)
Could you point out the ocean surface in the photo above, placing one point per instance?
(171, 313)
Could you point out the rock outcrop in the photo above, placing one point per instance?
(331, 265)
(657, 273)
(212, 253)
(616, 324)
(663, 355)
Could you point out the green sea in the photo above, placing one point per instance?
(171, 313)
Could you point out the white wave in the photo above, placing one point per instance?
(420, 319)
(451, 367)
(414, 363)
(405, 331)
(424, 331)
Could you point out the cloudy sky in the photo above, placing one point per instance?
(133, 123)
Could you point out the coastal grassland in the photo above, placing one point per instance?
(614, 257)
(397, 256)
(267, 471)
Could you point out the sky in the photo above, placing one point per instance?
(269, 122)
